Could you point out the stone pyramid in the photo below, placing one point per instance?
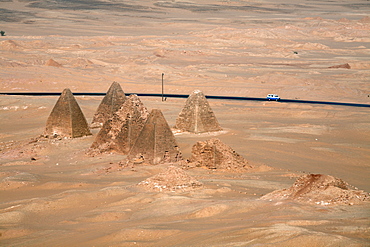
(122, 129)
(197, 116)
(111, 102)
(156, 142)
(66, 119)
(214, 154)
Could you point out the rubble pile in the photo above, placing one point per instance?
(172, 180)
(214, 154)
(340, 66)
(320, 189)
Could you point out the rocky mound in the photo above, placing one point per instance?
(172, 180)
(9, 45)
(53, 63)
(340, 66)
(32, 149)
(82, 63)
(320, 189)
(366, 19)
(214, 154)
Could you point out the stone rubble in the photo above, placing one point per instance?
(214, 154)
(320, 189)
(172, 180)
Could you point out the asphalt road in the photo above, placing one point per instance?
(186, 96)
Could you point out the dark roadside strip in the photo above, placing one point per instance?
(290, 101)
(324, 102)
(186, 96)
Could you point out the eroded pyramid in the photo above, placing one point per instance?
(66, 119)
(156, 142)
(197, 115)
(320, 189)
(119, 133)
(172, 180)
(111, 103)
(214, 154)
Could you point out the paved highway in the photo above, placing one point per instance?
(186, 96)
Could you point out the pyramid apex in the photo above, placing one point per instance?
(114, 86)
(66, 91)
(156, 111)
(111, 103)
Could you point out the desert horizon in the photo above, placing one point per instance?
(289, 174)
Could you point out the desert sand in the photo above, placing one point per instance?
(52, 193)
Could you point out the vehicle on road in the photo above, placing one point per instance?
(273, 97)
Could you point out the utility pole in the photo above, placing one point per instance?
(162, 87)
(155, 144)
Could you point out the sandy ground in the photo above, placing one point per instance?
(65, 198)
(53, 194)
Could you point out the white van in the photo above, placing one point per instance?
(273, 97)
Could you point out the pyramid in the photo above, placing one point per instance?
(122, 129)
(111, 102)
(66, 119)
(156, 142)
(197, 116)
(214, 154)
